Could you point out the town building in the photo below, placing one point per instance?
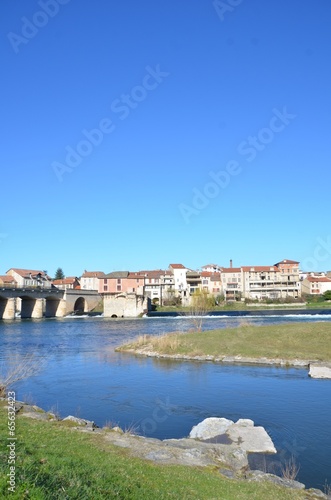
(30, 277)
(7, 280)
(231, 278)
(212, 268)
(122, 282)
(90, 280)
(315, 285)
(180, 283)
(159, 285)
(69, 283)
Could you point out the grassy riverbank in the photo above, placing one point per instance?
(55, 461)
(242, 306)
(310, 341)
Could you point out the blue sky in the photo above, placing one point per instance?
(136, 134)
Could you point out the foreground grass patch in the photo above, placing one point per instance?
(55, 462)
(310, 341)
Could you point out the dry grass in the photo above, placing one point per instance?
(327, 489)
(290, 469)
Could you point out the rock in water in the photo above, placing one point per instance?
(251, 439)
(210, 427)
(320, 370)
(243, 434)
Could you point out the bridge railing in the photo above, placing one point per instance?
(15, 286)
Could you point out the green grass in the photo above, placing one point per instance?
(310, 341)
(241, 306)
(56, 462)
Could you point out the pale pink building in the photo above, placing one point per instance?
(122, 282)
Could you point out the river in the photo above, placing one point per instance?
(81, 375)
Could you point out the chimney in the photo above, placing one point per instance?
(230, 263)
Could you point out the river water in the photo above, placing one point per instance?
(81, 375)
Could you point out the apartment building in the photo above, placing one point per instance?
(271, 282)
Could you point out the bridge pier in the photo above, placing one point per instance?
(38, 309)
(32, 308)
(55, 308)
(9, 310)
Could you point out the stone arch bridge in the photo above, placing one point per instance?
(38, 302)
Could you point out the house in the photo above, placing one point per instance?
(159, 284)
(7, 280)
(231, 282)
(123, 293)
(212, 268)
(193, 280)
(122, 282)
(179, 273)
(71, 283)
(30, 277)
(315, 285)
(215, 284)
(90, 280)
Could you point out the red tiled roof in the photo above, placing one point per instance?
(93, 274)
(177, 266)
(206, 274)
(287, 261)
(231, 270)
(7, 279)
(154, 273)
(135, 276)
(65, 281)
(260, 269)
(319, 279)
(26, 272)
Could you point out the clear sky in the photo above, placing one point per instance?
(138, 134)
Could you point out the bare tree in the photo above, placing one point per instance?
(18, 368)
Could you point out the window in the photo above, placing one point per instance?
(119, 281)
(105, 281)
(105, 288)
(118, 288)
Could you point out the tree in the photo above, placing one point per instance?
(201, 303)
(327, 295)
(59, 275)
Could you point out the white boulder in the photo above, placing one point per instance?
(210, 427)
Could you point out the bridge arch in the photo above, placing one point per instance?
(80, 306)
